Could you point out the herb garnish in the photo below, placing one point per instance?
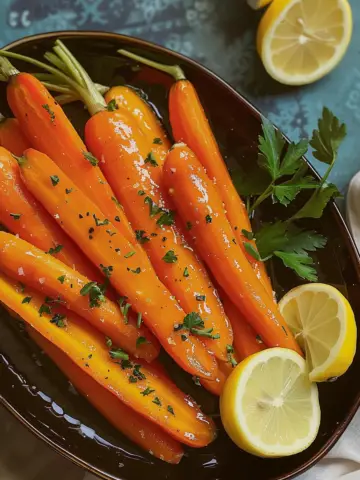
(166, 218)
(50, 112)
(230, 355)
(195, 324)
(186, 272)
(283, 175)
(118, 354)
(124, 307)
(95, 292)
(200, 298)
(116, 201)
(157, 141)
(15, 216)
(147, 391)
(44, 309)
(54, 180)
(153, 208)
(137, 270)
(90, 158)
(108, 342)
(100, 223)
(26, 300)
(189, 225)
(141, 341)
(62, 279)
(170, 257)
(59, 320)
(157, 401)
(129, 254)
(141, 193)
(141, 237)
(57, 249)
(68, 190)
(170, 409)
(151, 159)
(139, 320)
(112, 105)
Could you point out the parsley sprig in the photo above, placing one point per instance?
(282, 175)
(195, 325)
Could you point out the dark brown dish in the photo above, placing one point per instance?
(35, 391)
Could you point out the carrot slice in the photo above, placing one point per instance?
(12, 137)
(137, 183)
(137, 428)
(49, 130)
(129, 99)
(162, 403)
(24, 216)
(190, 125)
(40, 271)
(127, 265)
(197, 201)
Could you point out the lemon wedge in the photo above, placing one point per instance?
(257, 4)
(269, 407)
(324, 325)
(300, 41)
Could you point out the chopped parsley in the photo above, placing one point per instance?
(26, 300)
(50, 112)
(107, 271)
(100, 223)
(141, 193)
(59, 320)
(139, 320)
(189, 225)
(153, 208)
(130, 254)
(151, 159)
(157, 141)
(118, 354)
(137, 270)
(166, 218)
(147, 391)
(141, 341)
(170, 409)
(108, 342)
(157, 401)
(15, 216)
(95, 292)
(196, 380)
(54, 179)
(116, 201)
(117, 218)
(91, 159)
(57, 249)
(200, 298)
(195, 325)
(124, 307)
(141, 237)
(186, 272)
(170, 257)
(208, 219)
(230, 355)
(44, 309)
(68, 190)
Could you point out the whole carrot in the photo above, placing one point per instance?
(24, 216)
(140, 388)
(63, 285)
(198, 202)
(137, 182)
(128, 269)
(190, 125)
(49, 130)
(12, 137)
(137, 428)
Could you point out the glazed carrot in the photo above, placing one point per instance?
(129, 270)
(40, 271)
(137, 184)
(190, 125)
(128, 99)
(49, 130)
(138, 429)
(163, 403)
(12, 137)
(198, 202)
(246, 341)
(24, 216)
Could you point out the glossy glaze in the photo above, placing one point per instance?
(39, 395)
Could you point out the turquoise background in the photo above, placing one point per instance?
(221, 35)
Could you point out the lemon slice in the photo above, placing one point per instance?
(257, 4)
(324, 325)
(268, 406)
(300, 41)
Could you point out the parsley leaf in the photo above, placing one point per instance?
(287, 191)
(59, 320)
(100, 223)
(186, 272)
(153, 208)
(54, 180)
(141, 237)
(195, 324)
(170, 257)
(151, 159)
(26, 300)
(327, 138)
(147, 391)
(118, 354)
(292, 160)
(315, 206)
(166, 218)
(95, 292)
(300, 263)
(157, 141)
(141, 341)
(112, 105)
(57, 249)
(90, 158)
(271, 145)
(15, 216)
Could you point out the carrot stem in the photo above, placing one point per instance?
(173, 70)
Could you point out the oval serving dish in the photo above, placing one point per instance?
(36, 392)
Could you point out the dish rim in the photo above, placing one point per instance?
(347, 237)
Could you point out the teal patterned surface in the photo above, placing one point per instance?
(221, 35)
